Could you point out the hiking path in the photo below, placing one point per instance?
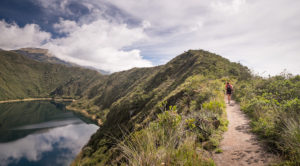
(240, 146)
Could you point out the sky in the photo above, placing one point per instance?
(115, 35)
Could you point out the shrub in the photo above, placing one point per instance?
(178, 134)
(214, 106)
(274, 108)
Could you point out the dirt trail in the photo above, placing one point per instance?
(239, 145)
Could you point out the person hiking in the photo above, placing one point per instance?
(229, 90)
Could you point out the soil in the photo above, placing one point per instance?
(240, 146)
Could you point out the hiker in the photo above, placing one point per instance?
(229, 89)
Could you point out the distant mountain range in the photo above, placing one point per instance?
(43, 55)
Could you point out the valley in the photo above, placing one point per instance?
(172, 114)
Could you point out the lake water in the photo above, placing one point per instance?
(41, 133)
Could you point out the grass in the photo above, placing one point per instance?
(179, 138)
(219, 150)
(129, 100)
(164, 142)
(21, 77)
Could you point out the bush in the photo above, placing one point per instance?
(274, 108)
(178, 134)
(214, 106)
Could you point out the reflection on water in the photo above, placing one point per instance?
(41, 133)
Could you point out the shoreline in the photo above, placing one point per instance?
(82, 112)
(68, 107)
(86, 114)
(34, 99)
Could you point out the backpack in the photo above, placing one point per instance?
(228, 88)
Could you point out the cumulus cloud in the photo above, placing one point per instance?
(261, 34)
(12, 36)
(98, 44)
(116, 35)
(65, 26)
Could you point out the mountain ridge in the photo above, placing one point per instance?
(131, 108)
(172, 114)
(44, 55)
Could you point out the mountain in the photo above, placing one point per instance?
(173, 114)
(129, 100)
(43, 55)
(22, 77)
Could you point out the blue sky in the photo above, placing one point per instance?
(116, 35)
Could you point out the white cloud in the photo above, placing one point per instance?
(12, 36)
(65, 26)
(99, 44)
(232, 7)
(264, 35)
(54, 6)
(252, 32)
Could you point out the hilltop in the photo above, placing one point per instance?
(129, 100)
(173, 114)
(22, 77)
(44, 55)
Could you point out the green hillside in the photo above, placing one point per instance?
(21, 77)
(173, 114)
(135, 100)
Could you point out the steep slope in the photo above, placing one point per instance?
(21, 77)
(131, 98)
(160, 80)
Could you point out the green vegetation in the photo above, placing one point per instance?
(179, 138)
(21, 77)
(131, 101)
(166, 115)
(274, 108)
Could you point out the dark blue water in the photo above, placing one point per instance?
(41, 133)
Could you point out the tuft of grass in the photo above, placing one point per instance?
(177, 137)
(164, 142)
(218, 150)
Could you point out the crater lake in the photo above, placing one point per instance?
(41, 133)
